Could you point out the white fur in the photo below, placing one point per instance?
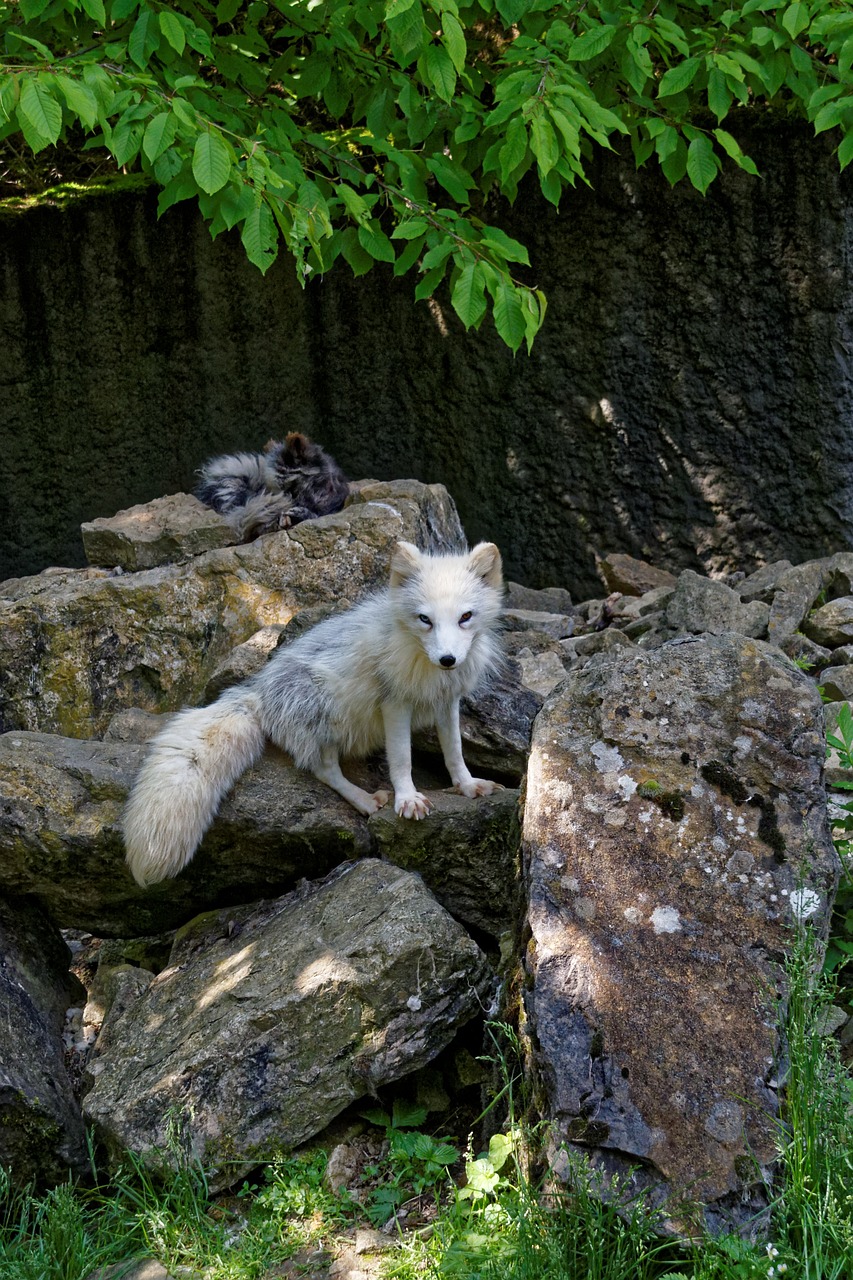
(360, 679)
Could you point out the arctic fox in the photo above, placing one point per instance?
(261, 492)
(399, 660)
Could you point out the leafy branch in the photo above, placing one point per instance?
(376, 130)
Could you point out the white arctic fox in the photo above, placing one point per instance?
(400, 659)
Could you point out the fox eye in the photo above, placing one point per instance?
(422, 617)
(466, 617)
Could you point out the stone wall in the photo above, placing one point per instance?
(690, 399)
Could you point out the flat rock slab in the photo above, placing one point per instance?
(61, 801)
(256, 1036)
(171, 528)
(80, 645)
(675, 824)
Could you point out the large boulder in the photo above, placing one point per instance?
(265, 1026)
(674, 828)
(80, 645)
(41, 1129)
(171, 528)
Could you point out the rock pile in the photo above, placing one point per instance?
(674, 825)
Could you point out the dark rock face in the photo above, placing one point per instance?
(41, 1129)
(675, 824)
(688, 405)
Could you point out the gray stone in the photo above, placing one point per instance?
(632, 577)
(541, 600)
(808, 655)
(557, 625)
(796, 591)
(674, 809)
(762, 584)
(244, 661)
(540, 672)
(75, 649)
(832, 624)
(837, 683)
(842, 656)
(582, 647)
(466, 852)
(272, 1021)
(496, 725)
(167, 529)
(701, 606)
(41, 1130)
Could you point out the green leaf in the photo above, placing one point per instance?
(124, 143)
(510, 250)
(543, 144)
(832, 114)
(95, 9)
(512, 10)
(591, 43)
(845, 150)
(375, 242)
(211, 162)
(9, 92)
(260, 237)
(32, 8)
(719, 93)
(514, 148)
(411, 229)
(441, 72)
(451, 176)
(39, 108)
(732, 148)
(409, 256)
(678, 78)
(144, 38)
(173, 30)
(701, 163)
(355, 204)
(795, 19)
(453, 39)
(159, 135)
(360, 263)
(394, 8)
(468, 295)
(509, 316)
(79, 98)
(430, 282)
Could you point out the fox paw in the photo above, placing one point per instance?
(416, 806)
(477, 787)
(381, 798)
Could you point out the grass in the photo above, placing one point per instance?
(489, 1221)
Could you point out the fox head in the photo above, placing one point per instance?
(447, 601)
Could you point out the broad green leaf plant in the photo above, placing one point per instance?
(376, 130)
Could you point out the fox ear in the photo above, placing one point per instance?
(485, 560)
(405, 562)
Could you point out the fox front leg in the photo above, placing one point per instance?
(450, 737)
(408, 802)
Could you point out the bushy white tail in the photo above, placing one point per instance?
(189, 767)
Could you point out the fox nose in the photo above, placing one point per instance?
(447, 660)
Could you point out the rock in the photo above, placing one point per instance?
(541, 600)
(763, 584)
(675, 824)
(540, 672)
(832, 624)
(837, 683)
(75, 649)
(842, 656)
(796, 591)
(466, 852)
(579, 648)
(42, 1138)
(158, 532)
(496, 725)
(631, 608)
(701, 606)
(244, 661)
(267, 1030)
(557, 625)
(60, 807)
(632, 577)
(807, 655)
(133, 725)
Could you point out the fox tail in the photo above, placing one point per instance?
(191, 764)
